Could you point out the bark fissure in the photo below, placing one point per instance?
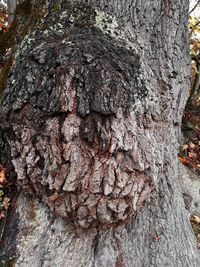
(95, 100)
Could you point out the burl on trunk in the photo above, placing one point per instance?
(92, 111)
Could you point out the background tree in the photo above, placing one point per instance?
(90, 124)
(11, 9)
(191, 119)
(194, 33)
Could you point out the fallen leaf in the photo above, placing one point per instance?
(156, 237)
(195, 219)
(6, 202)
(182, 159)
(185, 147)
(2, 174)
(54, 196)
(2, 178)
(192, 145)
(2, 214)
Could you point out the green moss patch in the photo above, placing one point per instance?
(11, 37)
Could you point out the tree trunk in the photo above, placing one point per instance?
(11, 10)
(91, 119)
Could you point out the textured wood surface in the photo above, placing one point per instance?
(93, 105)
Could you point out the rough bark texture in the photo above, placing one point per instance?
(91, 118)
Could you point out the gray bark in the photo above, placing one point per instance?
(11, 9)
(92, 112)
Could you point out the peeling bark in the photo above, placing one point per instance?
(92, 112)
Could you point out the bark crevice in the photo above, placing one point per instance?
(95, 98)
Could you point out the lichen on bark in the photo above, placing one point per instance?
(78, 160)
(76, 131)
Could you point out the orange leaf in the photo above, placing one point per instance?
(54, 196)
(182, 159)
(2, 176)
(2, 214)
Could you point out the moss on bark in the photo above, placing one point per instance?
(9, 39)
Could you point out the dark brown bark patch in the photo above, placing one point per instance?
(65, 111)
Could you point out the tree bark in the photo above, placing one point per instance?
(11, 9)
(91, 118)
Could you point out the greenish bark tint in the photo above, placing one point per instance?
(9, 38)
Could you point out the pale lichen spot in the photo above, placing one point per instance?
(72, 19)
(108, 24)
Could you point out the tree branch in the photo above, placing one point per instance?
(194, 7)
(197, 23)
